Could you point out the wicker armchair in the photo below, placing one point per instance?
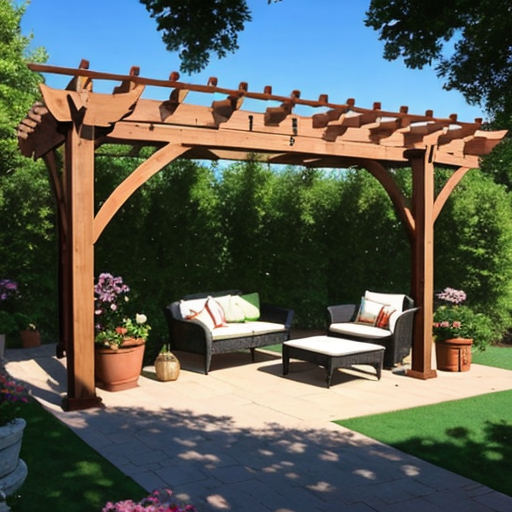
(395, 337)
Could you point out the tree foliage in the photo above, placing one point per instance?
(27, 228)
(423, 31)
(197, 28)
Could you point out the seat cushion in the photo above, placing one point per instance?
(360, 330)
(235, 330)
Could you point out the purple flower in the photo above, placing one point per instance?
(452, 296)
(8, 289)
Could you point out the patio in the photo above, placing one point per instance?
(246, 438)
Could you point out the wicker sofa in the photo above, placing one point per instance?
(198, 325)
(361, 322)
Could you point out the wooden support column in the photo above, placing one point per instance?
(422, 164)
(79, 268)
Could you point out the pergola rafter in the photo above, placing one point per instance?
(340, 136)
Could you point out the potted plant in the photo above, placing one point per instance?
(457, 329)
(119, 339)
(158, 501)
(13, 395)
(30, 336)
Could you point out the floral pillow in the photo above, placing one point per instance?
(383, 317)
(368, 312)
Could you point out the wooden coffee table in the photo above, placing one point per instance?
(332, 353)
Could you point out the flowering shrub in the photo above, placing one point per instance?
(157, 501)
(452, 319)
(12, 396)
(9, 321)
(113, 326)
(8, 289)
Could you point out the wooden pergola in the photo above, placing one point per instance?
(339, 136)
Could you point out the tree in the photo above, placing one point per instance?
(423, 32)
(18, 85)
(27, 229)
(195, 28)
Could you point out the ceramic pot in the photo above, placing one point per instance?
(11, 436)
(117, 370)
(30, 339)
(167, 367)
(454, 355)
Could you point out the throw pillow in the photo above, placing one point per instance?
(188, 307)
(250, 305)
(368, 312)
(383, 317)
(232, 311)
(203, 316)
(216, 312)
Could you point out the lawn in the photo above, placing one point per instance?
(471, 437)
(64, 473)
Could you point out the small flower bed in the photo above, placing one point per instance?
(158, 501)
(12, 396)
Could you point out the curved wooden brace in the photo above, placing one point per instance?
(57, 188)
(443, 196)
(395, 194)
(137, 178)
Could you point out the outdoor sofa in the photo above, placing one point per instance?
(227, 321)
(382, 318)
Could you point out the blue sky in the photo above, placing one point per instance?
(315, 46)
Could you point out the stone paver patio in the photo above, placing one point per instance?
(245, 438)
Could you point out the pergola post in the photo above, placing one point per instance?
(79, 267)
(422, 275)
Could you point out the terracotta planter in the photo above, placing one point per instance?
(117, 370)
(167, 367)
(13, 471)
(454, 355)
(30, 339)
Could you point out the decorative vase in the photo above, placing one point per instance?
(117, 370)
(30, 339)
(167, 367)
(454, 355)
(13, 471)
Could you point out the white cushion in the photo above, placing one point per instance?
(251, 312)
(395, 300)
(232, 311)
(361, 330)
(216, 312)
(188, 307)
(333, 346)
(236, 330)
(204, 317)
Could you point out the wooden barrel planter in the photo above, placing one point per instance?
(454, 355)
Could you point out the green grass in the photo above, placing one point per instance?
(471, 437)
(497, 356)
(64, 473)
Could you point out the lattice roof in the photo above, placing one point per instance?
(339, 135)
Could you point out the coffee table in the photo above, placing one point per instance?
(332, 353)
